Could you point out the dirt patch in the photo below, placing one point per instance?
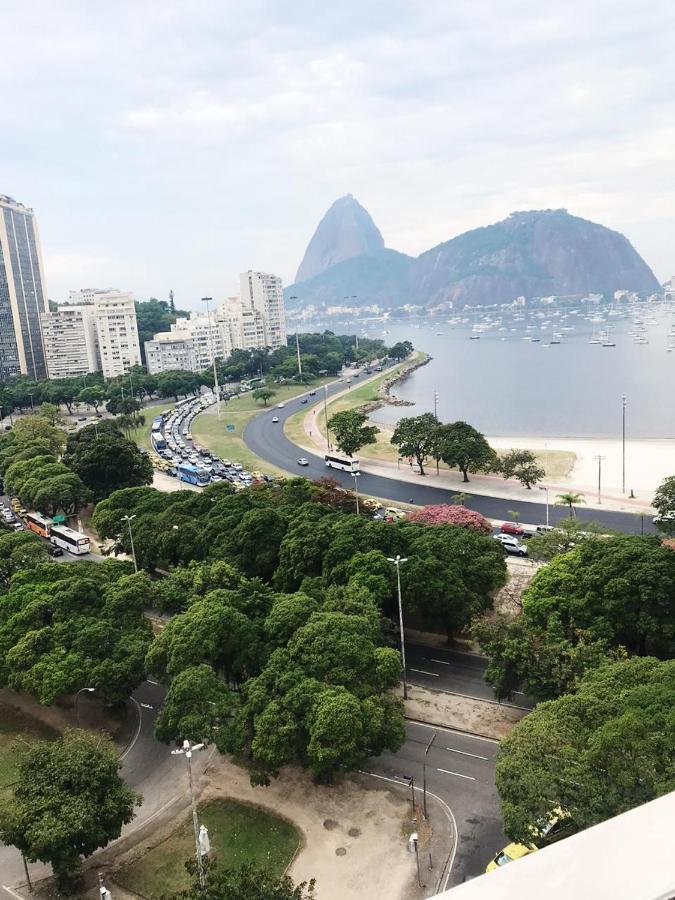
(520, 572)
(330, 824)
(354, 832)
(493, 720)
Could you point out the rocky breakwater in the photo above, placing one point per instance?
(384, 391)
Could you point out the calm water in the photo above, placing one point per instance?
(505, 384)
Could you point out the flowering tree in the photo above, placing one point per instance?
(444, 514)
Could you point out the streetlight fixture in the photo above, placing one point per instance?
(599, 459)
(325, 414)
(624, 404)
(128, 520)
(424, 774)
(397, 560)
(32, 405)
(545, 489)
(187, 750)
(77, 697)
(355, 476)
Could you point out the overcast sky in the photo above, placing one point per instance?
(173, 144)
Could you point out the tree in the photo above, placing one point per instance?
(245, 883)
(264, 394)
(451, 515)
(105, 460)
(69, 800)
(51, 413)
(567, 534)
(664, 504)
(522, 465)
(32, 429)
(604, 749)
(415, 436)
(401, 350)
(92, 396)
(608, 596)
(197, 706)
(460, 445)
(350, 431)
(570, 499)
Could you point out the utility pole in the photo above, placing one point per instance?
(325, 413)
(545, 489)
(207, 300)
(424, 774)
(599, 459)
(355, 476)
(128, 519)
(297, 349)
(624, 403)
(435, 404)
(187, 750)
(397, 562)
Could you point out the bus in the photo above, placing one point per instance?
(73, 541)
(193, 474)
(39, 524)
(346, 463)
(157, 423)
(158, 441)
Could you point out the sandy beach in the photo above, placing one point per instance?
(648, 462)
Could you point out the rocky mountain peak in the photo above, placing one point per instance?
(346, 231)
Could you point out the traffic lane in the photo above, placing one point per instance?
(268, 440)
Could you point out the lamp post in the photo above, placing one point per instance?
(297, 350)
(545, 489)
(77, 697)
(624, 403)
(128, 520)
(32, 405)
(435, 404)
(355, 476)
(397, 560)
(325, 413)
(599, 459)
(207, 300)
(187, 750)
(424, 774)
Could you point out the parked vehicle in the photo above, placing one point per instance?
(512, 528)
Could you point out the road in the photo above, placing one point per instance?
(460, 771)
(268, 441)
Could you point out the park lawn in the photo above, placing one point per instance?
(16, 726)
(211, 432)
(141, 435)
(239, 834)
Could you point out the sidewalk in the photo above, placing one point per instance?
(487, 485)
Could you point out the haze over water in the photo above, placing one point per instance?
(506, 385)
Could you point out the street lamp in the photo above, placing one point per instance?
(128, 520)
(187, 750)
(355, 476)
(325, 414)
(545, 489)
(397, 562)
(435, 404)
(32, 405)
(624, 404)
(599, 459)
(77, 697)
(216, 388)
(424, 774)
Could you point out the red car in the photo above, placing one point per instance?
(512, 528)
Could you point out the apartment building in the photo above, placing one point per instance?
(117, 331)
(23, 296)
(70, 342)
(170, 350)
(264, 293)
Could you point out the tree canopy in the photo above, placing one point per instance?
(461, 446)
(415, 436)
(523, 466)
(245, 883)
(350, 431)
(105, 460)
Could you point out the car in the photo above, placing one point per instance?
(512, 528)
(301, 461)
(237, 467)
(511, 545)
(510, 853)
(81, 418)
(275, 418)
(304, 400)
(55, 551)
(312, 393)
(280, 405)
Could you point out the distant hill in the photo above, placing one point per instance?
(534, 254)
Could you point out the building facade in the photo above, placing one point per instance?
(170, 350)
(117, 332)
(23, 296)
(70, 342)
(264, 293)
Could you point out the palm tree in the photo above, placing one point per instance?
(571, 499)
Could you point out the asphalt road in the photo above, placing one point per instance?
(460, 771)
(267, 440)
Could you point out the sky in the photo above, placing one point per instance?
(172, 145)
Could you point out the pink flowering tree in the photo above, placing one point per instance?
(444, 514)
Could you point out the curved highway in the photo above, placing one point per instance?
(267, 440)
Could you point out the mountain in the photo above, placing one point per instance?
(534, 254)
(346, 231)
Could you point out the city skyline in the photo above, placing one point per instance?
(235, 156)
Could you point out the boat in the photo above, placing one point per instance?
(554, 342)
(474, 337)
(608, 344)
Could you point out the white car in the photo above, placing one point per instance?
(275, 418)
(280, 405)
(302, 461)
(511, 544)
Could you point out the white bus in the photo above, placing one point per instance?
(346, 463)
(67, 539)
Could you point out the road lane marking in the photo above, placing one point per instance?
(443, 662)
(13, 893)
(137, 732)
(457, 774)
(146, 706)
(152, 682)
(422, 672)
(465, 753)
(465, 734)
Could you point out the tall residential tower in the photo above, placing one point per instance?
(22, 292)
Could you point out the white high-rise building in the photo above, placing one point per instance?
(23, 296)
(85, 295)
(209, 337)
(117, 330)
(243, 323)
(170, 350)
(70, 341)
(264, 293)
